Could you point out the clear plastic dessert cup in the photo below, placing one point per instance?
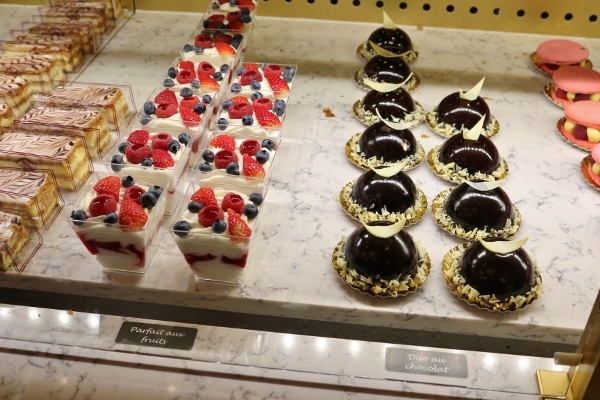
(215, 46)
(123, 242)
(215, 238)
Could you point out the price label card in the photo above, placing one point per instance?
(153, 335)
(437, 363)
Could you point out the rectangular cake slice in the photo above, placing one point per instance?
(89, 13)
(74, 30)
(7, 118)
(43, 72)
(13, 237)
(17, 93)
(66, 50)
(35, 193)
(113, 7)
(66, 156)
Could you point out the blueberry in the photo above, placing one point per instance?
(155, 190)
(233, 2)
(224, 68)
(148, 200)
(204, 167)
(182, 228)
(245, 11)
(116, 162)
(256, 95)
(256, 198)
(149, 108)
(279, 107)
(172, 72)
(168, 83)
(196, 84)
(240, 71)
(222, 123)
(236, 88)
(247, 120)
(268, 144)
(237, 40)
(147, 162)
(215, 6)
(250, 210)
(255, 85)
(199, 108)
(198, 50)
(233, 168)
(184, 138)
(288, 74)
(194, 207)
(78, 217)
(226, 104)
(206, 23)
(111, 219)
(188, 47)
(123, 146)
(208, 155)
(186, 92)
(218, 76)
(174, 146)
(127, 181)
(145, 119)
(262, 156)
(245, 17)
(206, 99)
(219, 226)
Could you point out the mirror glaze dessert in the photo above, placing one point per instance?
(381, 259)
(388, 40)
(383, 145)
(396, 106)
(381, 70)
(373, 197)
(474, 210)
(491, 275)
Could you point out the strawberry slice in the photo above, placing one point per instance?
(208, 83)
(252, 168)
(189, 102)
(132, 214)
(166, 97)
(189, 117)
(102, 204)
(205, 196)
(139, 136)
(267, 119)
(225, 49)
(225, 142)
(279, 87)
(251, 67)
(238, 228)
(162, 159)
(110, 185)
(240, 99)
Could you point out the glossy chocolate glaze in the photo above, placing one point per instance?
(504, 275)
(460, 112)
(395, 40)
(480, 209)
(387, 69)
(396, 193)
(389, 258)
(394, 105)
(386, 143)
(479, 155)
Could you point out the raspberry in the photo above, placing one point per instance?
(110, 185)
(205, 196)
(239, 99)
(161, 141)
(133, 193)
(209, 214)
(252, 168)
(249, 76)
(250, 147)
(166, 110)
(189, 102)
(224, 157)
(238, 110)
(166, 97)
(139, 136)
(102, 204)
(206, 68)
(162, 159)
(233, 201)
(186, 65)
(223, 142)
(185, 76)
(135, 153)
(203, 41)
(272, 71)
(263, 103)
(132, 214)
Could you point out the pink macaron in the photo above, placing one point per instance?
(573, 84)
(596, 153)
(586, 113)
(561, 52)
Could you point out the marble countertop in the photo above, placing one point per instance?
(290, 273)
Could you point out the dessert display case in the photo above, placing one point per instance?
(290, 286)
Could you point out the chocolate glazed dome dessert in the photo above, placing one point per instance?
(474, 210)
(396, 106)
(384, 194)
(468, 156)
(388, 40)
(380, 71)
(381, 259)
(385, 144)
(460, 111)
(493, 273)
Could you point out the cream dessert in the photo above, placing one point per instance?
(170, 109)
(395, 106)
(384, 194)
(43, 72)
(66, 156)
(572, 84)
(203, 77)
(7, 118)
(16, 93)
(242, 117)
(388, 40)
(381, 259)
(383, 144)
(85, 123)
(493, 274)
(553, 54)
(33, 195)
(581, 124)
(13, 237)
(590, 167)
(213, 230)
(474, 210)
(469, 156)
(381, 71)
(232, 161)
(237, 21)
(215, 46)
(117, 219)
(254, 80)
(460, 111)
(109, 100)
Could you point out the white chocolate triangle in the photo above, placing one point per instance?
(473, 93)
(475, 131)
(485, 185)
(386, 172)
(503, 247)
(385, 231)
(386, 53)
(392, 124)
(387, 21)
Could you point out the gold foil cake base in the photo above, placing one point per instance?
(453, 173)
(357, 157)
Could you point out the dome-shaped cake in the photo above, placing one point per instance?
(381, 71)
(396, 106)
(388, 40)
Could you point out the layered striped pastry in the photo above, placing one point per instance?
(67, 50)
(88, 124)
(13, 237)
(113, 7)
(109, 100)
(89, 13)
(43, 72)
(31, 192)
(16, 92)
(7, 118)
(66, 156)
(75, 30)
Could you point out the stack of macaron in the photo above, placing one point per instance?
(554, 54)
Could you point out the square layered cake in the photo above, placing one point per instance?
(13, 237)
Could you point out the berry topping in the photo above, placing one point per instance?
(224, 142)
(279, 107)
(238, 99)
(268, 144)
(116, 162)
(249, 76)
(138, 136)
(279, 87)
(250, 67)
(166, 110)
(133, 193)
(247, 120)
(185, 76)
(194, 207)
(205, 196)
(233, 168)
(78, 216)
(184, 138)
(161, 141)
(238, 228)
(149, 108)
(224, 157)
(208, 155)
(225, 49)
(203, 41)
(262, 156)
(135, 153)
(189, 117)
(219, 226)
(162, 159)
(156, 190)
(182, 228)
(110, 219)
(186, 65)
(233, 201)
(206, 68)
(252, 168)
(102, 204)
(256, 198)
(110, 185)
(250, 147)
(238, 110)
(148, 200)
(173, 146)
(262, 103)
(208, 83)
(272, 71)
(209, 214)
(127, 181)
(132, 214)
(250, 211)
(267, 119)
(166, 97)
(189, 102)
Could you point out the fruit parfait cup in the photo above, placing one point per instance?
(212, 228)
(273, 81)
(117, 219)
(215, 46)
(163, 154)
(227, 160)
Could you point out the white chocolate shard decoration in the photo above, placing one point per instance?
(387, 21)
(475, 131)
(394, 125)
(484, 186)
(387, 172)
(473, 93)
(503, 247)
(384, 87)
(385, 231)
(386, 53)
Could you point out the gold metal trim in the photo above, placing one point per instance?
(553, 384)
